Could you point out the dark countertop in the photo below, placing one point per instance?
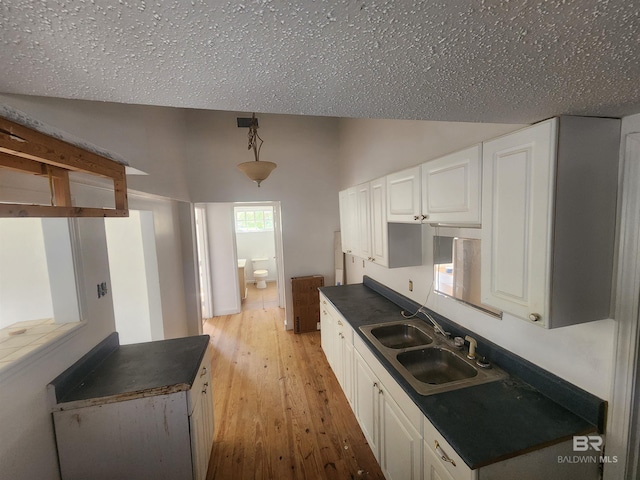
(485, 423)
(113, 372)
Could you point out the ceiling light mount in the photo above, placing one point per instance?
(256, 170)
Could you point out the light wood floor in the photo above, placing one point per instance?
(279, 411)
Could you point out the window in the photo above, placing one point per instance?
(38, 292)
(254, 219)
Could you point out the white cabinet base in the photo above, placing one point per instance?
(149, 437)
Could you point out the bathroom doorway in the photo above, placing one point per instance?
(258, 240)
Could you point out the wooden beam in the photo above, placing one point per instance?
(61, 187)
(22, 165)
(20, 210)
(120, 192)
(21, 141)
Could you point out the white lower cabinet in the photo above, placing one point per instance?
(441, 462)
(336, 338)
(405, 443)
(201, 423)
(392, 430)
(161, 436)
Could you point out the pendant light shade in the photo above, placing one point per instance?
(256, 170)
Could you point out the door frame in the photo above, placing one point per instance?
(623, 438)
(277, 233)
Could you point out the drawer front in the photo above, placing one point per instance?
(439, 447)
(202, 382)
(328, 306)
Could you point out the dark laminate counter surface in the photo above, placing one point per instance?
(485, 423)
(112, 372)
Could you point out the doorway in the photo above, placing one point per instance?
(218, 256)
(258, 241)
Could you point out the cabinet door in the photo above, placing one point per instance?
(348, 372)
(451, 190)
(327, 333)
(366, 402)
(199, 438)
(433, 469)
(348, 219)
(518, 180)
(403, 196)
(440, 459)
(379, 231)
(363, 237)
(401, 443)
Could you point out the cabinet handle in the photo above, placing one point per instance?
(340, 322)
(204, 371)
(443, 455)
(324, 312)
(373, 259)
(424, 217)
(341, 335)
(375, 384)
(534, 317)
(204, 387)
(380, 392)
(416, 217)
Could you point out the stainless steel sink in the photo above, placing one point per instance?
(426, 360)
(436, 366)
(401, 335)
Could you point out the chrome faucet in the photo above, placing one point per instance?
(436, 326)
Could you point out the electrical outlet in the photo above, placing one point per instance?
(318, 326)
(411, 285)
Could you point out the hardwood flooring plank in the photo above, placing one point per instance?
(279, 410)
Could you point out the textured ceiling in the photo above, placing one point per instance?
(474, 60)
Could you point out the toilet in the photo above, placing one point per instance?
(260, 273)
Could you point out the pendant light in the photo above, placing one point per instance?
(256, 170)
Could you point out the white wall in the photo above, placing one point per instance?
(28, 444)
(581, 354)
(133, 266)
(222, 258)
(305, 182)
(24, 277)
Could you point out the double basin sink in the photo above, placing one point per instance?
(428, 361)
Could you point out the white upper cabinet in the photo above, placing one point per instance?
(379, 232)
(367, 234)
(363, 229)
(548, 214)
(451, 188)
(403, 196)
(348, 219)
